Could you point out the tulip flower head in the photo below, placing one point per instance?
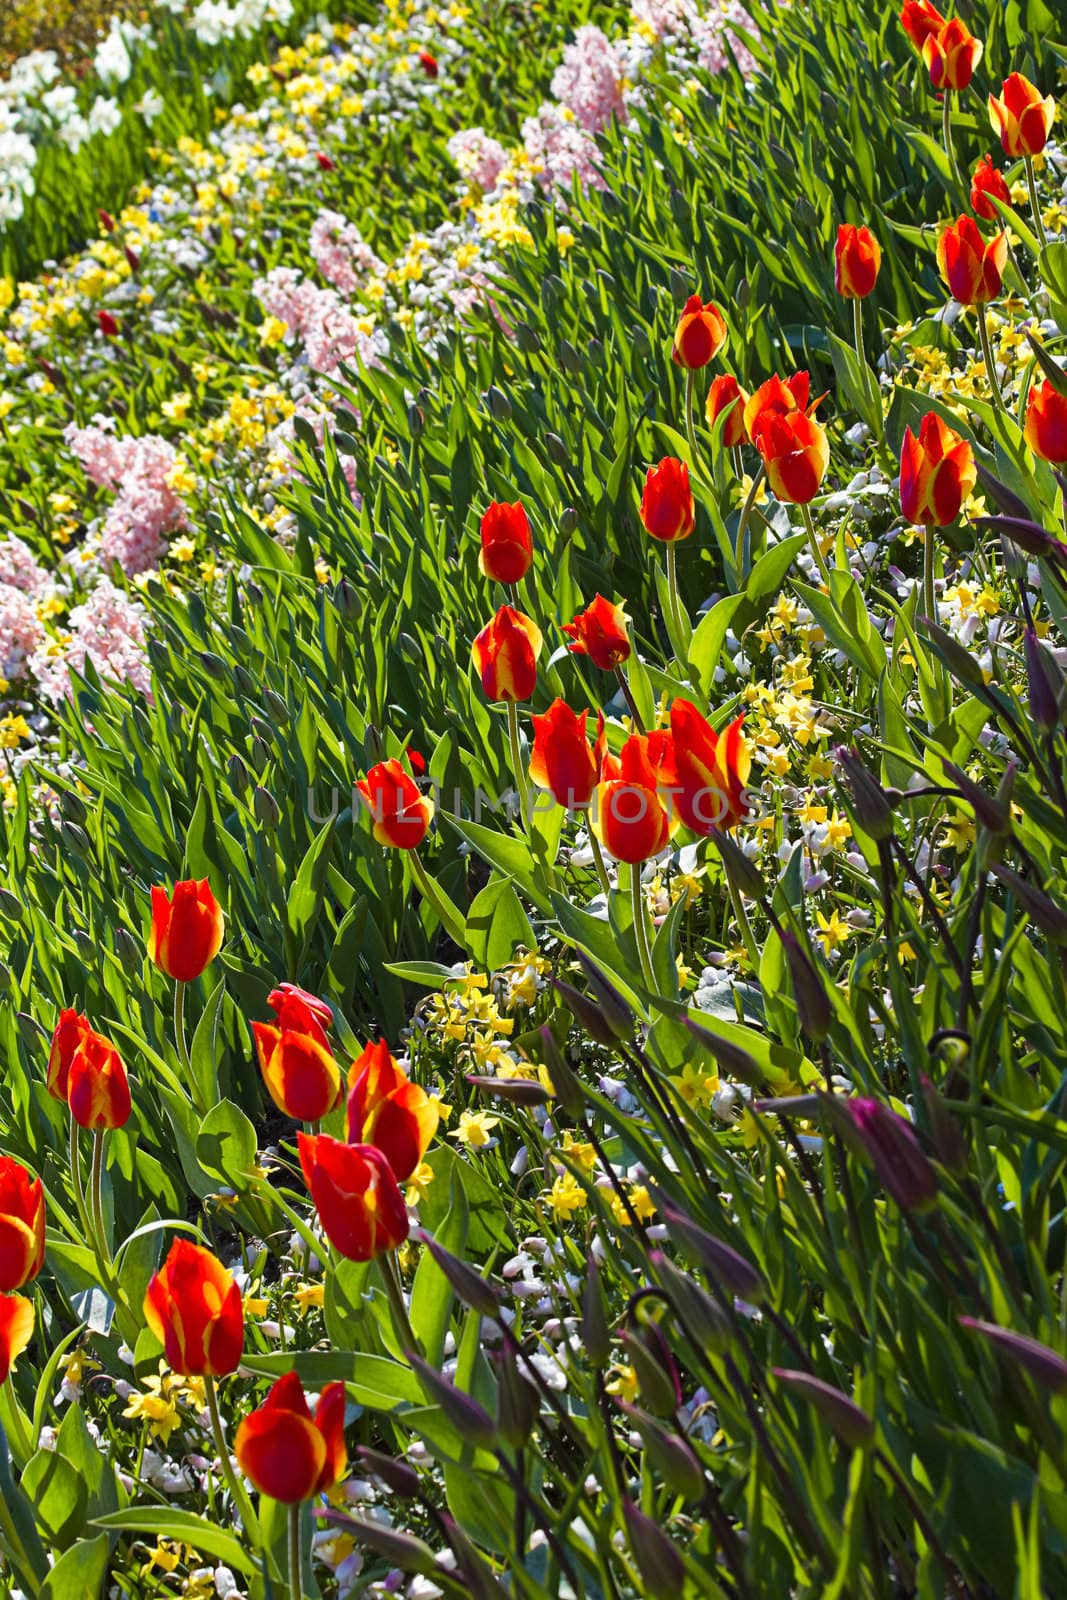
(186, 932)
(109, 325)
(387, 1110)
(891, 1145)
(780, 397)
(796, 454)
(301, 1075)
(951, 56)
(563, 760)
(971, 267)
(700, 335)
(667, 509)
(857, 260)
(507, 543)
(400, 813)
(22, 1216)
(98, 1090)
(1021, 116)
(355, 1194)
(937, 473)
(988, 181)
(16, 1330)
(726, 394)
(629, 817)
(920, 19)
(288, 1453)
(294, 1007)
(67, 1035)
(599, 632)
(505, 655)
(710, 769)
(193, 1306)
(1046, 423)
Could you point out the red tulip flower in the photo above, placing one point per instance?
(667, 509)
(301, 1075)
(69, 1031)
(971, 268)
(505, 654)
(780, 396)
(193, 1306)
(629, 817)
(109, 326)
(562, 759)
(937, 473)
(294, 1007)
(428, 63)
(16, 1330)
(857, 260)
(186, 932)
(98, 1090)
(727, 394)
(1046, 423)
(796, 454)
(700, 335)
(988, 180)
(324, 161)
(507, 543)
(288, 1453)
(1021, 116)
(401, 815)
(387, 1110)
(951, 55)
(710, 770)
(22, 1218)
(599, 632)
(920, 19)
(355, 1194)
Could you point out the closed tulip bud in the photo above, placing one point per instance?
(22, 1223)
(468, 1416)
(950, 1146)
(285, 1451)
(951, 55)
(346, 598)
(1047, 1367)
(557, 450)
(213, 665)
(569, 1091)
(727, 395)
(387, 1110)
(870, 804)
(128, 950)
(517, 1404)
(667, 509)
(971, 267)
(1021, 116)
(710, 770)
(187, 929)
(700, 335)
(563, 760)
(1041, 696)
(657, 1377)
(596, 1335)
(857, 260)
(499, 404)
(733, 1061)
(703, 1319)
(568, 520)
(237, 774)
(670, 1457)
(585, 1012)
(628, 816)
(75, 839)
(961, 662)
(617, 1016)
(98, 1090)
(849, 1421)
(107, 221)
(741, 872)
(937, 473)
(891, 1145)
(795, 452)
(657, 1559)
(5, 978)
(401, 814)
(720, 1261)
(301, 1076)
(398, 1477)
(505, 656)
(10, 906)
(1039, 907)
(277, 707)
(357, 1198)
(507, 543)
(992, 812)
(1046, 422)
(69, 1032)
(194, 1308)
(74, 808)
(259, 755)
(987, 183)
(109, 325)
(16, 1330)
(600, 633)
(468, 1285)
(518, 1091)
(267, 810)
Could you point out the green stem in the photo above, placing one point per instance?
(748, 938)
(817, 555)
(627, 693)
(674, 598)
(516, 761)
(96, 1201)
(76, 1181)
(401, 1321)
(1035, 207)
(640, 914)
(690, 432)
(182, 1046)
(296, 1581)
(237, 1489)
(930, 603)
(987, 357)
(746, 513)
(946, 133)
(598, 861)
(449, 916)
(865, 371)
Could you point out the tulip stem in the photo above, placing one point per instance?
(180, 1042)
(296, 1579)
(946, 133)
(673, 597)
(96, 1201)
(76, 1180)
(817, 555)
(865, 371)
(748, 938)
(448, 914)
(1035, 205)
(516, 761)
(395, 1293)
(746, 513)
(237, 1489)
(690, 431)
(627, 694)
(640, 913)
(941, 678)
(598, 860)
(987, 357)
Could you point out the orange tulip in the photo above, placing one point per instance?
(98, 1090)
(711, 770)
(21, 1225)
(951, 55)
(796, 454)
(288, 1453)
(1021, 117)
(970, 267)
(193, 1306)
(988, 180)
(301, 1075)
(562, 759)
(1046, 423)
(16, 1330)
(400, 813)
(505, 654)
(937, 473)
(629, 817)
(920, 19)
(296, 1008)
(599, 632)
(700, 335)
(67, 1035)
(667, 509)
(857, 260)
(355, 1194)
(186, 932)
(387, 1110)
(727, 394)
(780, 397)
(507, 543)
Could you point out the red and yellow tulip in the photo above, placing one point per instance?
(507, 543)
(700, 335)
(1022, 116)
(599, 632)
(1046, 423)
(288, 1453)
(971, 267)
(387, 1110)
(667, 509)
(710, 770)
(186, 931)
(400, 813)
(22, 1219)
(563, 760)
(98, 1090)
(193, 1306)
(937, 473)
(505, 655)
(726, 394)
(857, 261)
(301, 1075)
(355, 1194)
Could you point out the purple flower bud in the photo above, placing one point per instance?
(469, 1418)
(670, 1457)
(870, 803)
(1041, 910)
(1045, 1366)
(403, 1549)
(564, 1079)
(658, 1560)
(397, 1476)
(596, 1337)
(657, 1375)
(848, 1420)
(469, 1286)
(946, 1136)
(990, 811)
(718, 1260)
(616, 1014)
(1041, 694)
(517, 1091)
(813, 1003)
(894, 1151)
